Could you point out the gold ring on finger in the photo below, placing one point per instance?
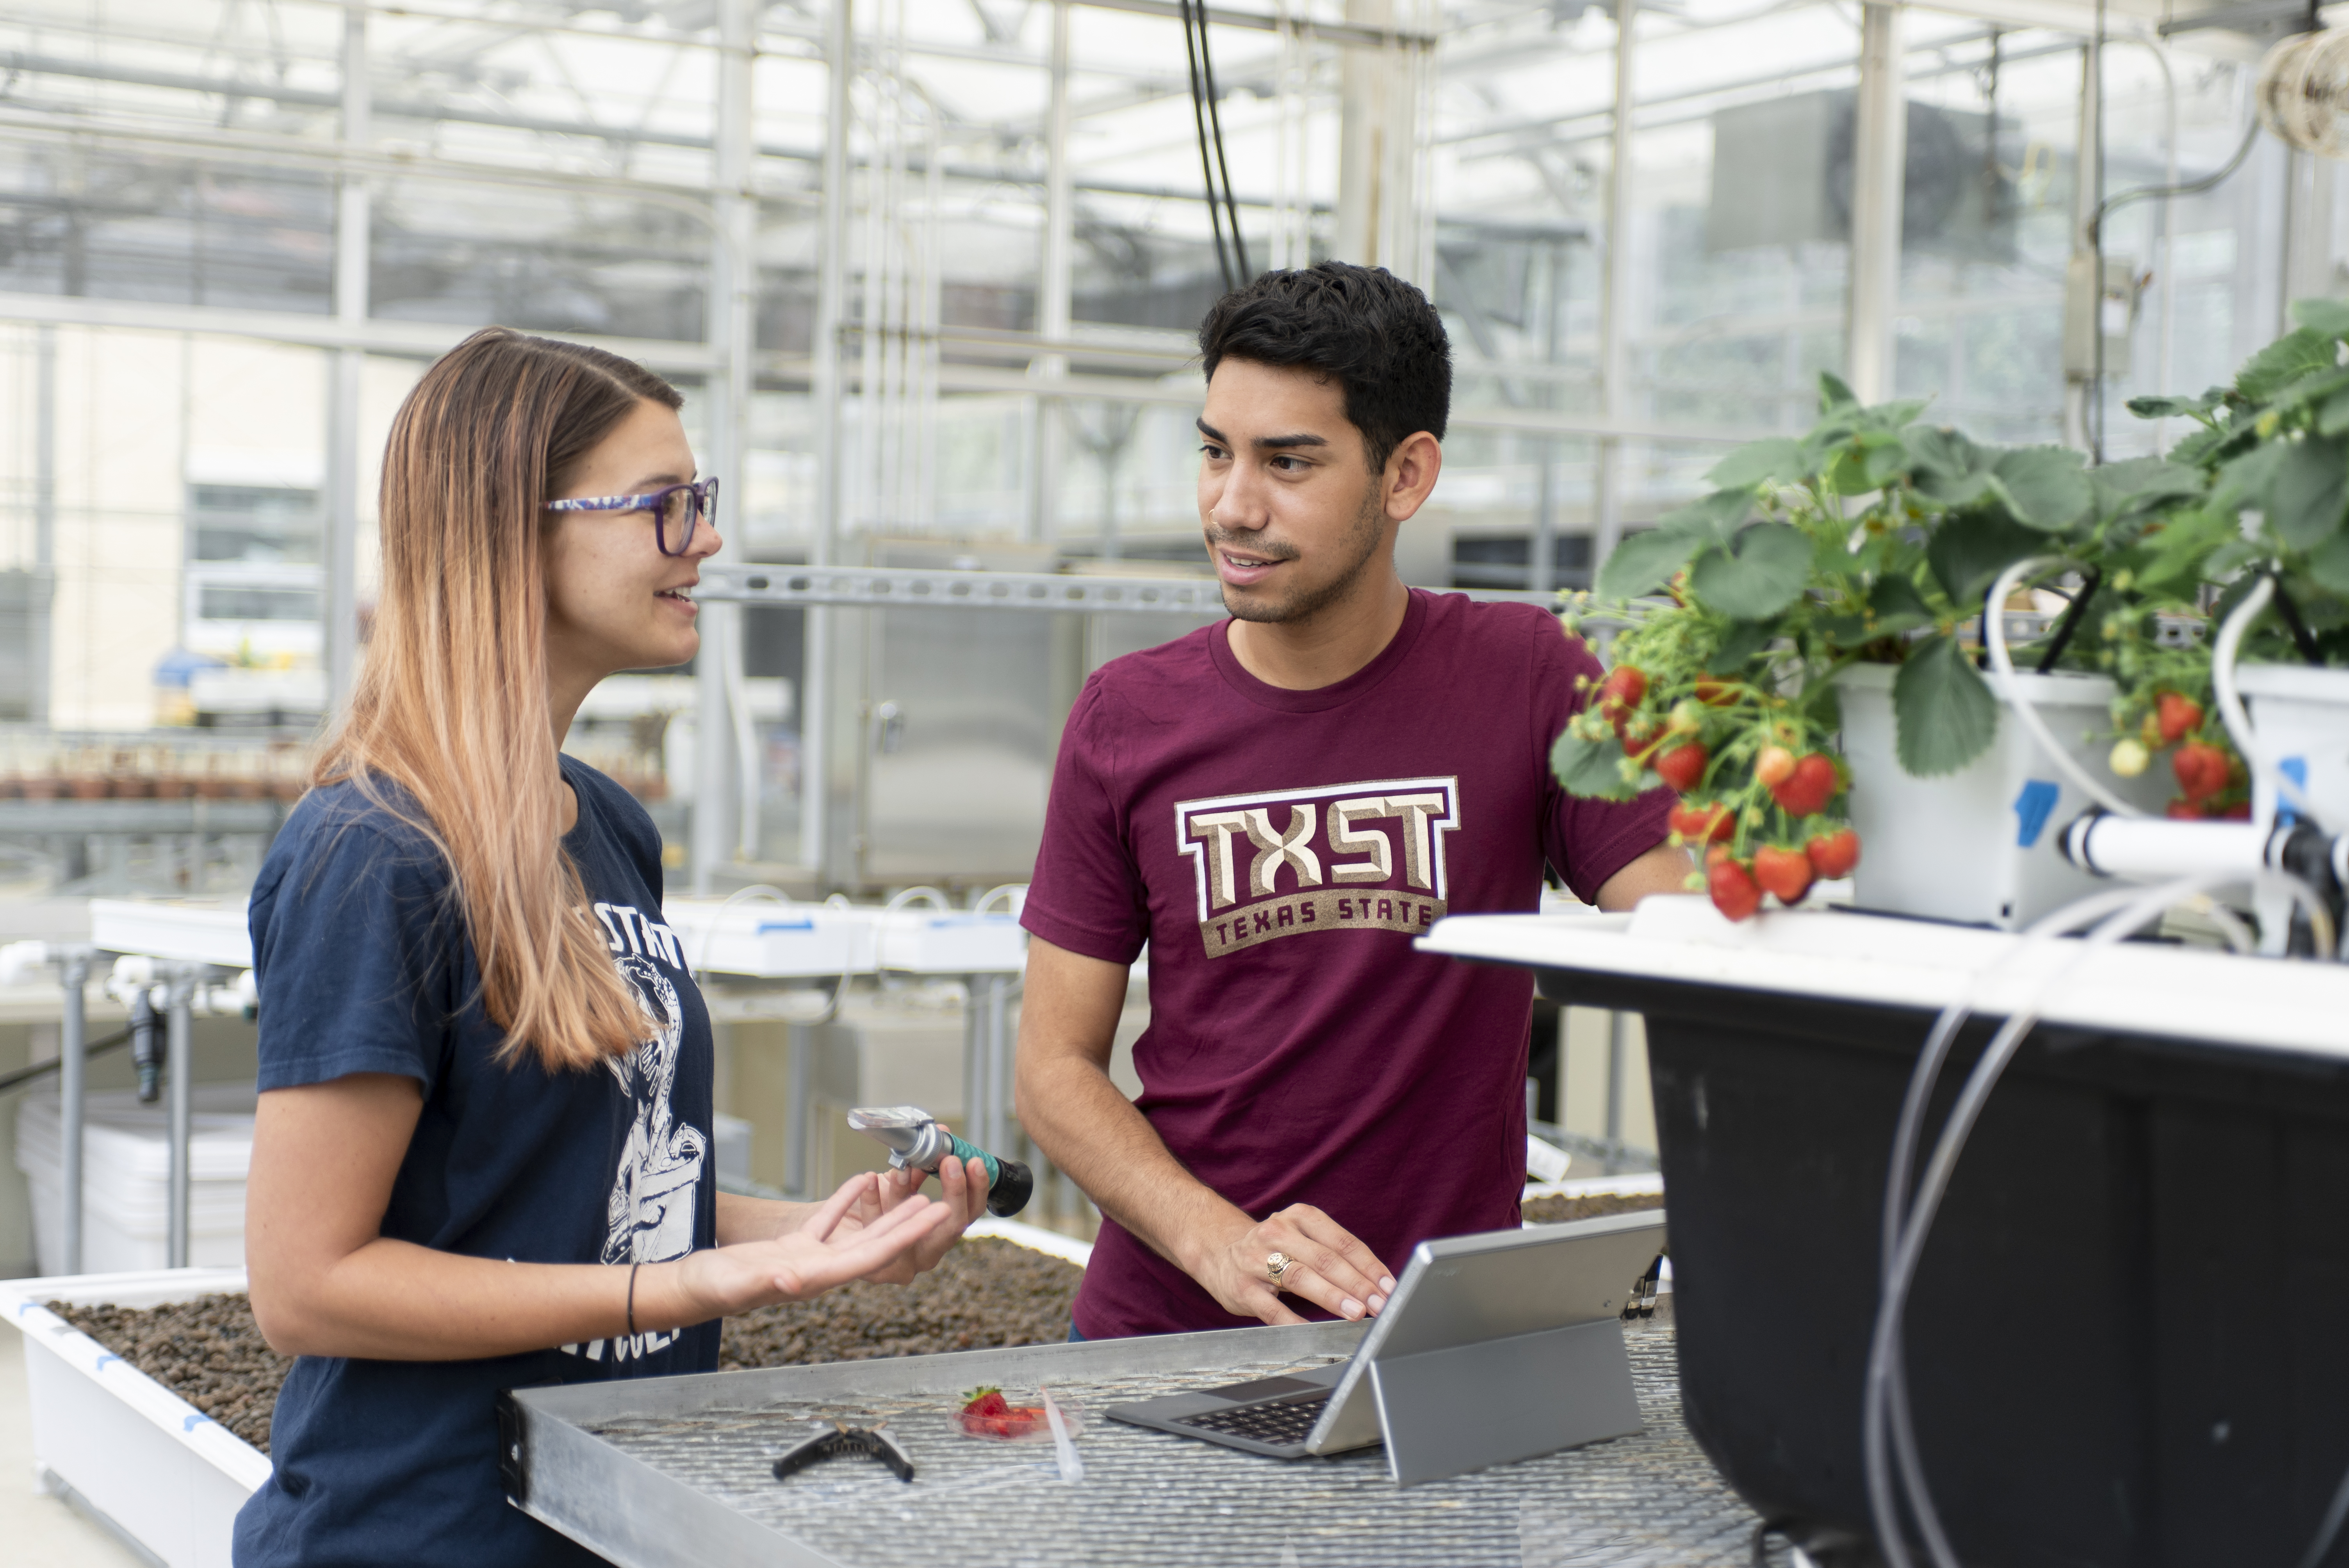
(1276, 1266)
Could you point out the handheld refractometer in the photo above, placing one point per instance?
(913, 1137)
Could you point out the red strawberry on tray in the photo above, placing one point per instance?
(988, 1414)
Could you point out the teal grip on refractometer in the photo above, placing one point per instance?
(963, 1150)
(1009, 1183)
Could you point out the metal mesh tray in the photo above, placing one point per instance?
(675, 1471)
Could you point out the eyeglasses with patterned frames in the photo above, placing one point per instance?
(674, 508)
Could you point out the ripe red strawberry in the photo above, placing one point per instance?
(2181, 810)
(1625, 687)
(1735, 892)
(1773, 766)
(1683, 765)
(987, 1402)
(1783, 871)
(2241, 812)
(2175, 715)
(1701, 824)
(1714, 692)
(1834, 854)
(2202, 769)
(1810, 788)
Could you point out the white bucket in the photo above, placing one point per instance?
(126, 1178)
(2300, 718)
(1979, 845)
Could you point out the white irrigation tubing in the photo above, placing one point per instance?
(2232, 712)
(2002, 676)
(928, 895)
(1885, 1415)
(1008, 891)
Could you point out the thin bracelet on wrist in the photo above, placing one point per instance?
(631, 1298)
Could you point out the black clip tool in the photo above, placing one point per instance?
(834, 1442)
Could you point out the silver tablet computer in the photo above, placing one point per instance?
(1456, 1293)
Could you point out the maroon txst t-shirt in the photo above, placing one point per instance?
(1279, 851)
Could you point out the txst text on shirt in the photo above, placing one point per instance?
(1353, 857)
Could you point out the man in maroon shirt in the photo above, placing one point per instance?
(1276, 805)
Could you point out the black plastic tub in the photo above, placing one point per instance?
(2128, 1343)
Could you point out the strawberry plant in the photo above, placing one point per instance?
(1871, 539)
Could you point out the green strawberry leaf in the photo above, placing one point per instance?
(2309, 492)
(2197, 445)
(2328, 563)
(2333, 416)
(2136, 483)
(1779, 461)
(1969, 551)
(2044, 487)
(1948, 468)
(1833, 395)
(2178, 408)
(1884, 457)
(1943, 714)
(2174, 558)
(1739, 645)
(2244, 479)
(1894, 606)
(2329, 316)
(2285, 361)
(1591, 768)
(1645, 560)
(1714, 517)
(1762, 573)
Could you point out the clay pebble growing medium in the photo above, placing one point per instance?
(986, 1295)
(1591, 1206)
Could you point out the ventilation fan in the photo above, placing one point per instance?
(2303, 90)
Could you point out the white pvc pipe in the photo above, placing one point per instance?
(2002, 677)
(2154, 848)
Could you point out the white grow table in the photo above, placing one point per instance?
(835, 942)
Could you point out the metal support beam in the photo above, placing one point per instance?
(345, 378)
(73, 1040)
(1614, 301)
(45, 519)
(826, 384)
(798, 1121)
(998, 990)
(178, 990)
(723, 807)
(1879, 155)
(1054, 306)
(901, 588)
(2087, 187)
(1375, 120)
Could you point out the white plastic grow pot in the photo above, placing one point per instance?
(1979, 845)
(2302, 718)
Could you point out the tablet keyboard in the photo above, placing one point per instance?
(1275, 1422)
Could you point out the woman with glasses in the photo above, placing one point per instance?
(483, 1155)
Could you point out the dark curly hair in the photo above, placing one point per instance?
(1374, 334)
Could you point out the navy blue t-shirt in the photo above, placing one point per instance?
(364, 966)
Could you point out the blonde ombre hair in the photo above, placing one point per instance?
(451, 705)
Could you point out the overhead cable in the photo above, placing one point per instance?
(1206, 119)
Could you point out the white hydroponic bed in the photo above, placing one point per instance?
(158, 1469)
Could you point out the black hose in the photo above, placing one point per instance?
(26, 1075)
(2071, 621)
(1208, 121)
